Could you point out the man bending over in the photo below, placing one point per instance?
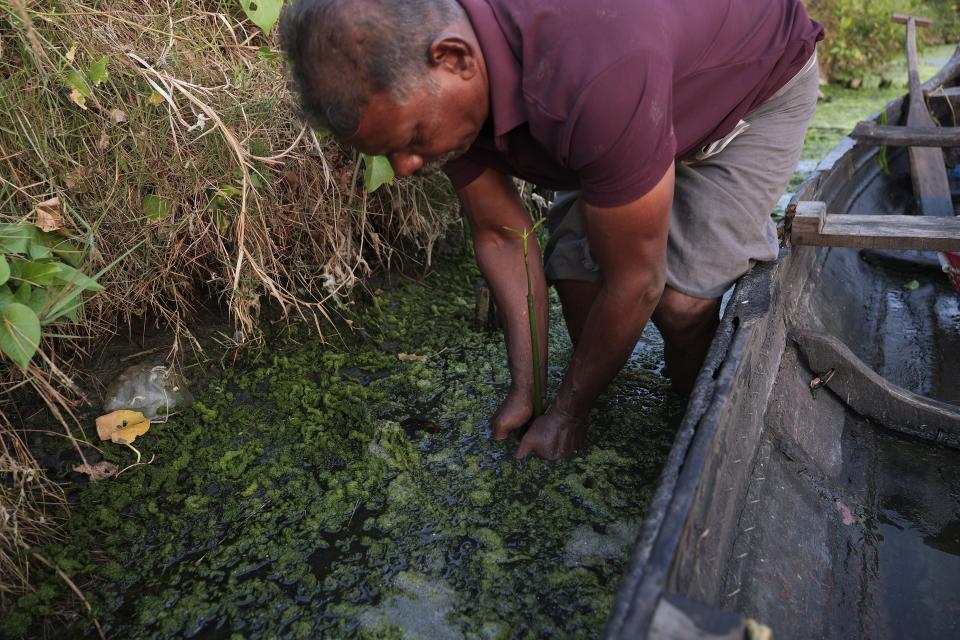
(669, 127)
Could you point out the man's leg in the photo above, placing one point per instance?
(687, 325)
(576, 298)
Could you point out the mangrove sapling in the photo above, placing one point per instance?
(524, 236)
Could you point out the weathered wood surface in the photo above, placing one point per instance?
(927, 167)
(872, 396)
(951, 93)
(812, 225)
(932, 136)
(903, 18)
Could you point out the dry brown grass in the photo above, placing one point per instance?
(195, 112)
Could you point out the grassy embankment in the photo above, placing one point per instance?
(845, 107)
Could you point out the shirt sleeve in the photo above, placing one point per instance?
(463, 170)
(620, 137)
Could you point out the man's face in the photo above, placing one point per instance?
(435, 125)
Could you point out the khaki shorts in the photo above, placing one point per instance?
(720, 221)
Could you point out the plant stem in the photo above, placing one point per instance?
(534, 334)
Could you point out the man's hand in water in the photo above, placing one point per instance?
(516, 411)
(552, 436)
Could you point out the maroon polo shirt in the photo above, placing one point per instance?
(602, 95)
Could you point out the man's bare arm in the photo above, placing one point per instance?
(629, 243)
(491, 205)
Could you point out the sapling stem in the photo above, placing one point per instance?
(524, 236)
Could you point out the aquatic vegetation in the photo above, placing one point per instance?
(336, 490)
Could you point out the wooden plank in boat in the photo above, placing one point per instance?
(873, 396)
(930, 185)
(812, 225)
(931, 136)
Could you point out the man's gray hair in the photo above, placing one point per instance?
(340, 52)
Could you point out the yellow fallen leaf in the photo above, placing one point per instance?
(156, 98)
(49, 215)
(122, 426)
(411, 357)
(78, 98)
(100, 471)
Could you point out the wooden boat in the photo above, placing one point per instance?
(814, 485)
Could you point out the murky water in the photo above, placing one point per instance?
(341, 490)
(912, 538)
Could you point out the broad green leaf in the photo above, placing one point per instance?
(39, 250)
(39, 274)
(40, 300)
(377, 172)
(70, 276)
(97, 72)
(68, 252)
(4, 270)
(79, 89)
(6, 296)
(16, 237)
(156, 207)
(22, 294)
(76, 81)
(263, 13)
(19, 333)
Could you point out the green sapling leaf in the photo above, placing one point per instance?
(156, 207)
(377, 172)
(263, 13)
(19, 333)
(4, 270)
(97, 72)
(79, 89)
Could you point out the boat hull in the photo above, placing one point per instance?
(775, 502)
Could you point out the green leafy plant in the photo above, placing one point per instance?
(525, 236)
(377, 171)
(40, 284)
(263, 13)
(882, 153)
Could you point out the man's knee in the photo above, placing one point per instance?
(679, 314)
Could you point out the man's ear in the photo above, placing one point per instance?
(453, 53)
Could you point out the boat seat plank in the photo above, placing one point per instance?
(874, 397)
(909, 136)
(812, 225)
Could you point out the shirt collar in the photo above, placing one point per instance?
(503, 69)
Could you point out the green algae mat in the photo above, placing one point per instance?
(350, 489)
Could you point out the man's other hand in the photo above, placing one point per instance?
(552, 436)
